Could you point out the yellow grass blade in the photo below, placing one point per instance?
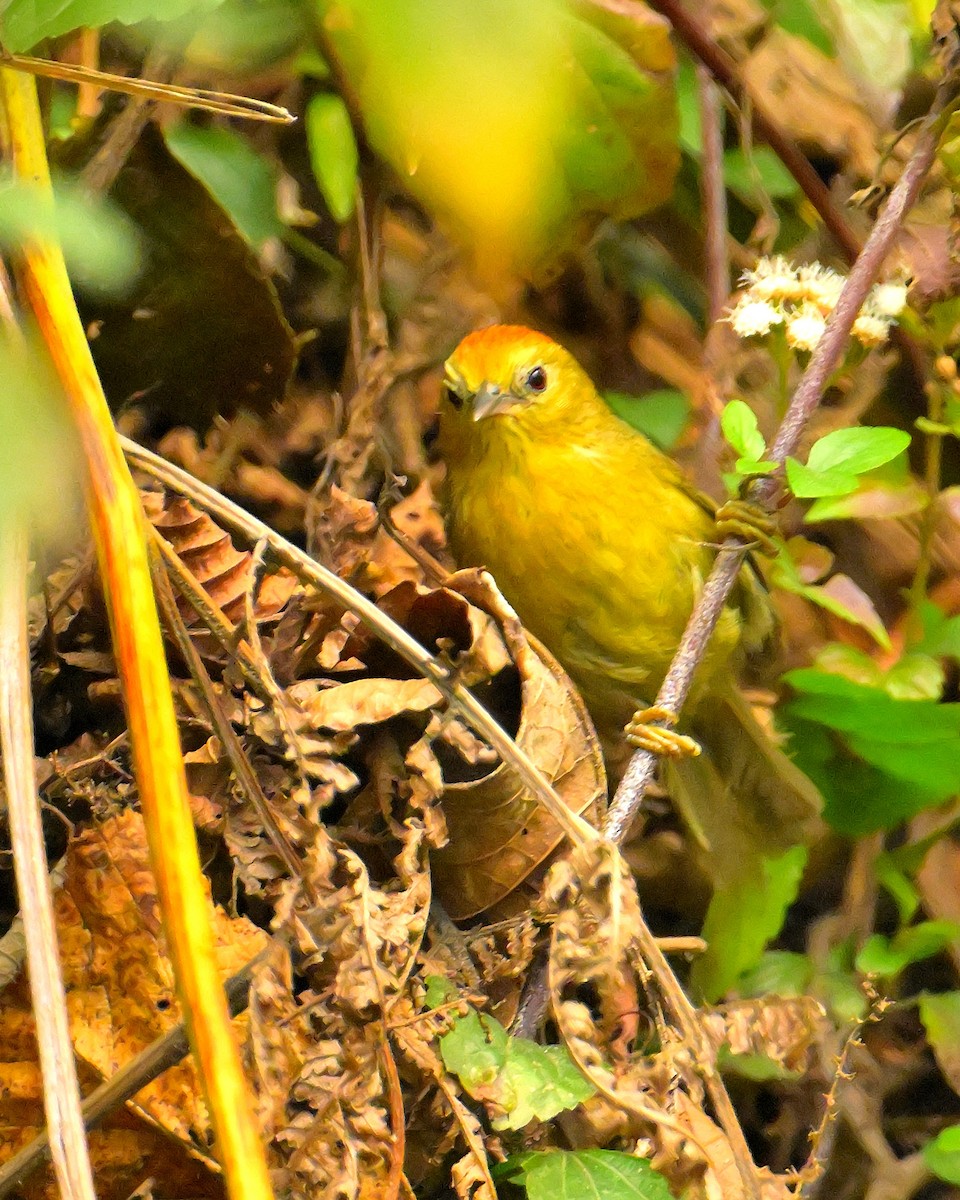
(117, 522)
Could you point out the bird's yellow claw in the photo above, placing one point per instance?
(666, 743)
(740, 518)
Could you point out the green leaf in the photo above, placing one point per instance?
(521, 1079)
(756, 175)
(940, 1014)
(739, 425)
(595, 135)
(899, 885)
(744, 914)
(24, 23)
(242, 181)
(333, 153)
(539, 1082)
(101, 245)
(759, 1068)
(475, 1049)
(778, 973)
(858, 449)
(659, 416)
(589, 1175)
(835, 461)
(877, 760)
(941, 634)
(884, 956)
(942, 1155)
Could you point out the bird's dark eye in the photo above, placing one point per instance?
(537, 379)
(454, 399)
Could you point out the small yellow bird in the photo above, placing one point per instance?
(602, 547)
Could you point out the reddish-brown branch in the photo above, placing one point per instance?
(714, 195)
(825, 359)
(724, 69)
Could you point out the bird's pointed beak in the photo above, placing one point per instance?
(490, 399)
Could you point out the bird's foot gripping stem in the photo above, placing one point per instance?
(666, 743)
(740, 518)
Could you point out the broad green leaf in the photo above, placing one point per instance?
(885, 956)
(838, 986)
(802, 18)
(660, 416)
(743, 915)
(858, 449)
(806, 483)
(24, 23)
(590, 1175)
(739, 425)
(759, 1068)
(100, 244)
(539, 1082)
(240, 179)
(940, 1014)
(595, 134)
(942, 1155)
(333, 153)
(877, 760)
(760, 173)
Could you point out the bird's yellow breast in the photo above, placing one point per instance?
(592, 539)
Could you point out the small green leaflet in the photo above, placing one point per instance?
(520, 1079)
(836, 460)
(885, 956)
(333, 153)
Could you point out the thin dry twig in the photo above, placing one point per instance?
(61, 1091)
(146, 1066)
(124, 132)
(823, 362)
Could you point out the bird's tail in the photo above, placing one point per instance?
(753, 813)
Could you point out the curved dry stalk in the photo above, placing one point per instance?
(61, 1090)
(233, 517)
(223, 103)
(824, 360)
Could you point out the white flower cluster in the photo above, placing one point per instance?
(801, 298)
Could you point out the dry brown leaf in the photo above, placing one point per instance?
(789, 1030)
(498, 833)
(120, 997)
(809, 95)
(223, 571)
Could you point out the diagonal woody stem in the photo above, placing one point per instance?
(825, 359)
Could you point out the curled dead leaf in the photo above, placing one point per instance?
(498, 832)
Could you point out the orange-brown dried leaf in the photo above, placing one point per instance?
(224, 572)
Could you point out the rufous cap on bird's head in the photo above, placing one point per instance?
(511, 371)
